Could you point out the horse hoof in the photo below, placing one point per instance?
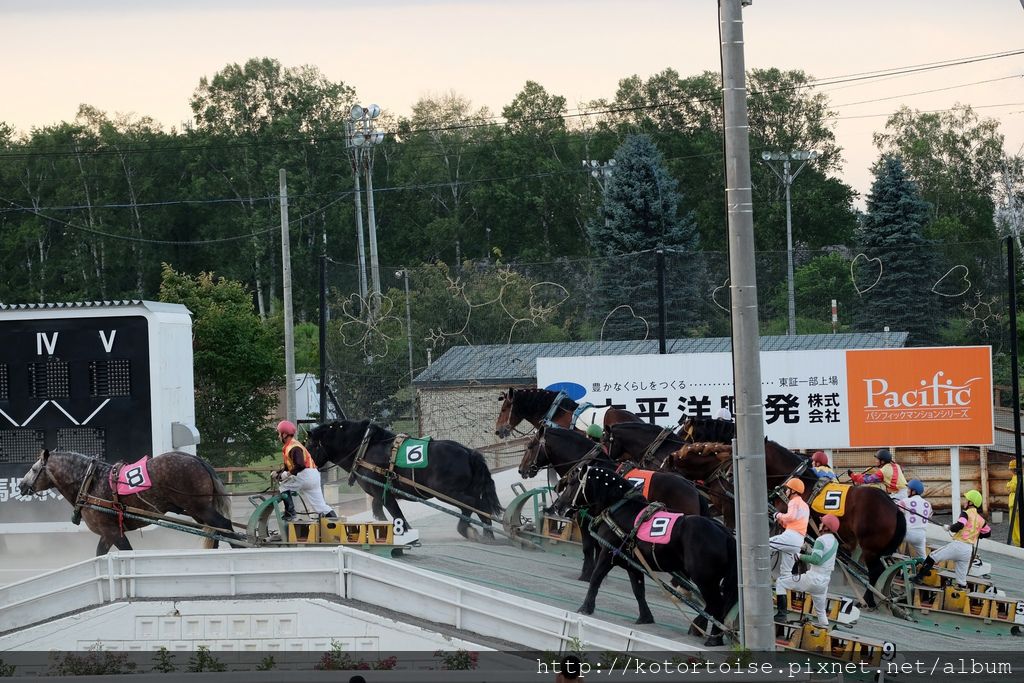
(649, 619)
(585, 578)
(585, 610)
(714, 641)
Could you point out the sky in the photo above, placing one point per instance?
(147, 57)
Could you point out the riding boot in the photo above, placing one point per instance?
(780, 607)
(924, 571)
(289, 508)
(331, 515)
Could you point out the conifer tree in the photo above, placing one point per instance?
(896, 291)
(640, 212)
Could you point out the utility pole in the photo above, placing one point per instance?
(289, 321)
(408, 337)
(751, 483)
(355, 155)
(787, 179)
(362, 139)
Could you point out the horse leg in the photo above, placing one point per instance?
(396, 512)
(589, 546)
(488, 532)
(122, 543)
(467, 530)
(378, 509)
(103, 547)
(714, 605)
(875, 569)
(636, 582)
(602, 566)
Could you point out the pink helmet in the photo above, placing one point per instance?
(830, 522)
(819, 458)
(286, 427)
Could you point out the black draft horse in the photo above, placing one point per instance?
(182, 483)
(534, 404)
(699, 548)
(453, 470)
(563, 449)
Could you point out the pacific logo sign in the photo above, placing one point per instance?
(920, 397)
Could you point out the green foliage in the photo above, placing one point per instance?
(94, 662)
(7, 670)
(237, 363)
(339, 659)
(202, 661)
(163, 661)
(896, 289)
(267, 664)
(459, 660)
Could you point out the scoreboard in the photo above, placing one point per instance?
(109, 379)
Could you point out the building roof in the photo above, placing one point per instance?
(516, 363)
(154, 306)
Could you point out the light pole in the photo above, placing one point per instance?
(600, 172)
(404, 273)
(363, 137)
(787, 179)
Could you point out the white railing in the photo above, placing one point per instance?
(342, 572)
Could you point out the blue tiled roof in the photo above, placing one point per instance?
(516, 363)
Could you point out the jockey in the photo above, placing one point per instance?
(299, 474)
(791, 540)
(889, 476)
(723, 414)
(821, 467)
(966, 531)
(918, 511)
(822, 560)
(595, 431)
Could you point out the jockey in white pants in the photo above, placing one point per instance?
(789, 543)
(822, 560)
(918, 511)
(299, 474)
(966, 531)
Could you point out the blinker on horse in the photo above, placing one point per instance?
(182, 483)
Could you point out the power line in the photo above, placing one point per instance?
(822, 82)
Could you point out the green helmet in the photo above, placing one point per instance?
(973, 497)
(595, 431)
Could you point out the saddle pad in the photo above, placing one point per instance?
(657, 529)
(640, 479)
(131, 479)
(590, 416)
(831, 499)
(412, 453)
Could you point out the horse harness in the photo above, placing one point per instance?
(549, 417)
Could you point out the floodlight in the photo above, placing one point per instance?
(373, 111)
(766, 156)
(356, 112)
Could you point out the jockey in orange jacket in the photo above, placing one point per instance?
(789, 543)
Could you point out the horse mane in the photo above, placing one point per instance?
(535, 400)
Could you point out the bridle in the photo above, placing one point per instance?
(581, 485)
(35, 479)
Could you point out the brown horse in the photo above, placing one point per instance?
(537, 405)
(181, 483)
(871, 521)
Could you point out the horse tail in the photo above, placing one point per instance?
(221, 498)
(483, 482)
(898, 535)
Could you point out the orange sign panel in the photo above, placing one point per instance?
(920, 397)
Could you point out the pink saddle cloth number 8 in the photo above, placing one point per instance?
(133, 478)
(657, 529)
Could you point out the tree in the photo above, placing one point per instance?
(955, 158)
(238, 366)
(896, 290)
(640, 211)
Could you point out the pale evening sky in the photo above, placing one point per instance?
(147, 57)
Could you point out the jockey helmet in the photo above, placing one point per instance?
(830, 522)
(916, 485)
(794, 484)
(973, 497)
(819, 458)
(594, 431)
(884, 455)
(286, 427)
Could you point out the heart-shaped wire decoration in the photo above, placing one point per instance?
(853, 273)
(957, 268)
(714, 294)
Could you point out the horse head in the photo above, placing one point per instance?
(531, 463)
(336, 441)
(507, 417)
(37, 479)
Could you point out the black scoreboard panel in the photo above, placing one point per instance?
(76, 384)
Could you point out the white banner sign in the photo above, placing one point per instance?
(804, 392)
